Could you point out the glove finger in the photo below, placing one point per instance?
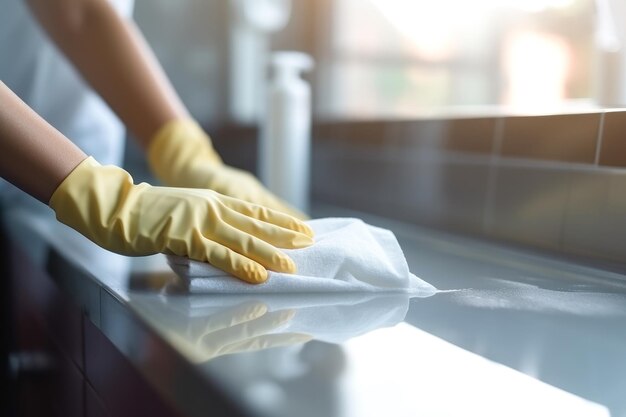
(253, 248)
(277, 236)
(266, 342)
(232, 262)
(265, 324)
(267, 215)
(241, 313)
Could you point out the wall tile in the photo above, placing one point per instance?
(471, 135)
(462, 195)
(440, 173)
(425, 189)
(569, 138)
(407, 189)
(613, 150)
(528, 206)
(426, 134)
(595, 218)
(466, 134)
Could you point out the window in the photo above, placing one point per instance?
(399, 58)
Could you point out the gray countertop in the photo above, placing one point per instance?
(510, 332)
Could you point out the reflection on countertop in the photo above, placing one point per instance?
(571, 338)
(511, 333)
(208, 326)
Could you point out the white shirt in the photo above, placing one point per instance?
(33, 67)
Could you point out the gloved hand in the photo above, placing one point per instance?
(244, 328)
(181, 155)
(241, 238)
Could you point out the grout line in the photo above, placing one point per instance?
(488, 211)
(498, 138)
(599, 139)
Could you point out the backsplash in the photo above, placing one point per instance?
(555, 182)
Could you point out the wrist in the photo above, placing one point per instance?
(176, 147)
(90, 200)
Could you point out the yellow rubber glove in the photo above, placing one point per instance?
(245, 328)
(181, 155)
(241, 238)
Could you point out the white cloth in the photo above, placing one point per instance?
(348, 255)
(32, 66)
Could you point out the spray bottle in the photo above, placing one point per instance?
(285, 142)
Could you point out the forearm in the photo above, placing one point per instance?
(113, 57)
(33, 155)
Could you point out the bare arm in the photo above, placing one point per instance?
(103, 204)
(113, 57)
(33, 155)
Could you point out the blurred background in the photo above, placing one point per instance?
(485, 118)
(394, 58)
(494, 118)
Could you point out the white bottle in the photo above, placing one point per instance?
(285, 142)
(253, 22)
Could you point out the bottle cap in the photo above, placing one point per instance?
(291, 63)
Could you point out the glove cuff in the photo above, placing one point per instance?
(175, 147)
(77, 178)
(90, 198)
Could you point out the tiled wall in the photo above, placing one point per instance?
(555, 182)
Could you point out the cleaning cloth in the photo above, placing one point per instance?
(348, 255)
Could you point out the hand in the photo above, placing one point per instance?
(181, 155)
(247, 327)
(241, 238)
(242, 327)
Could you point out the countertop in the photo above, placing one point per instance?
(510, 332)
